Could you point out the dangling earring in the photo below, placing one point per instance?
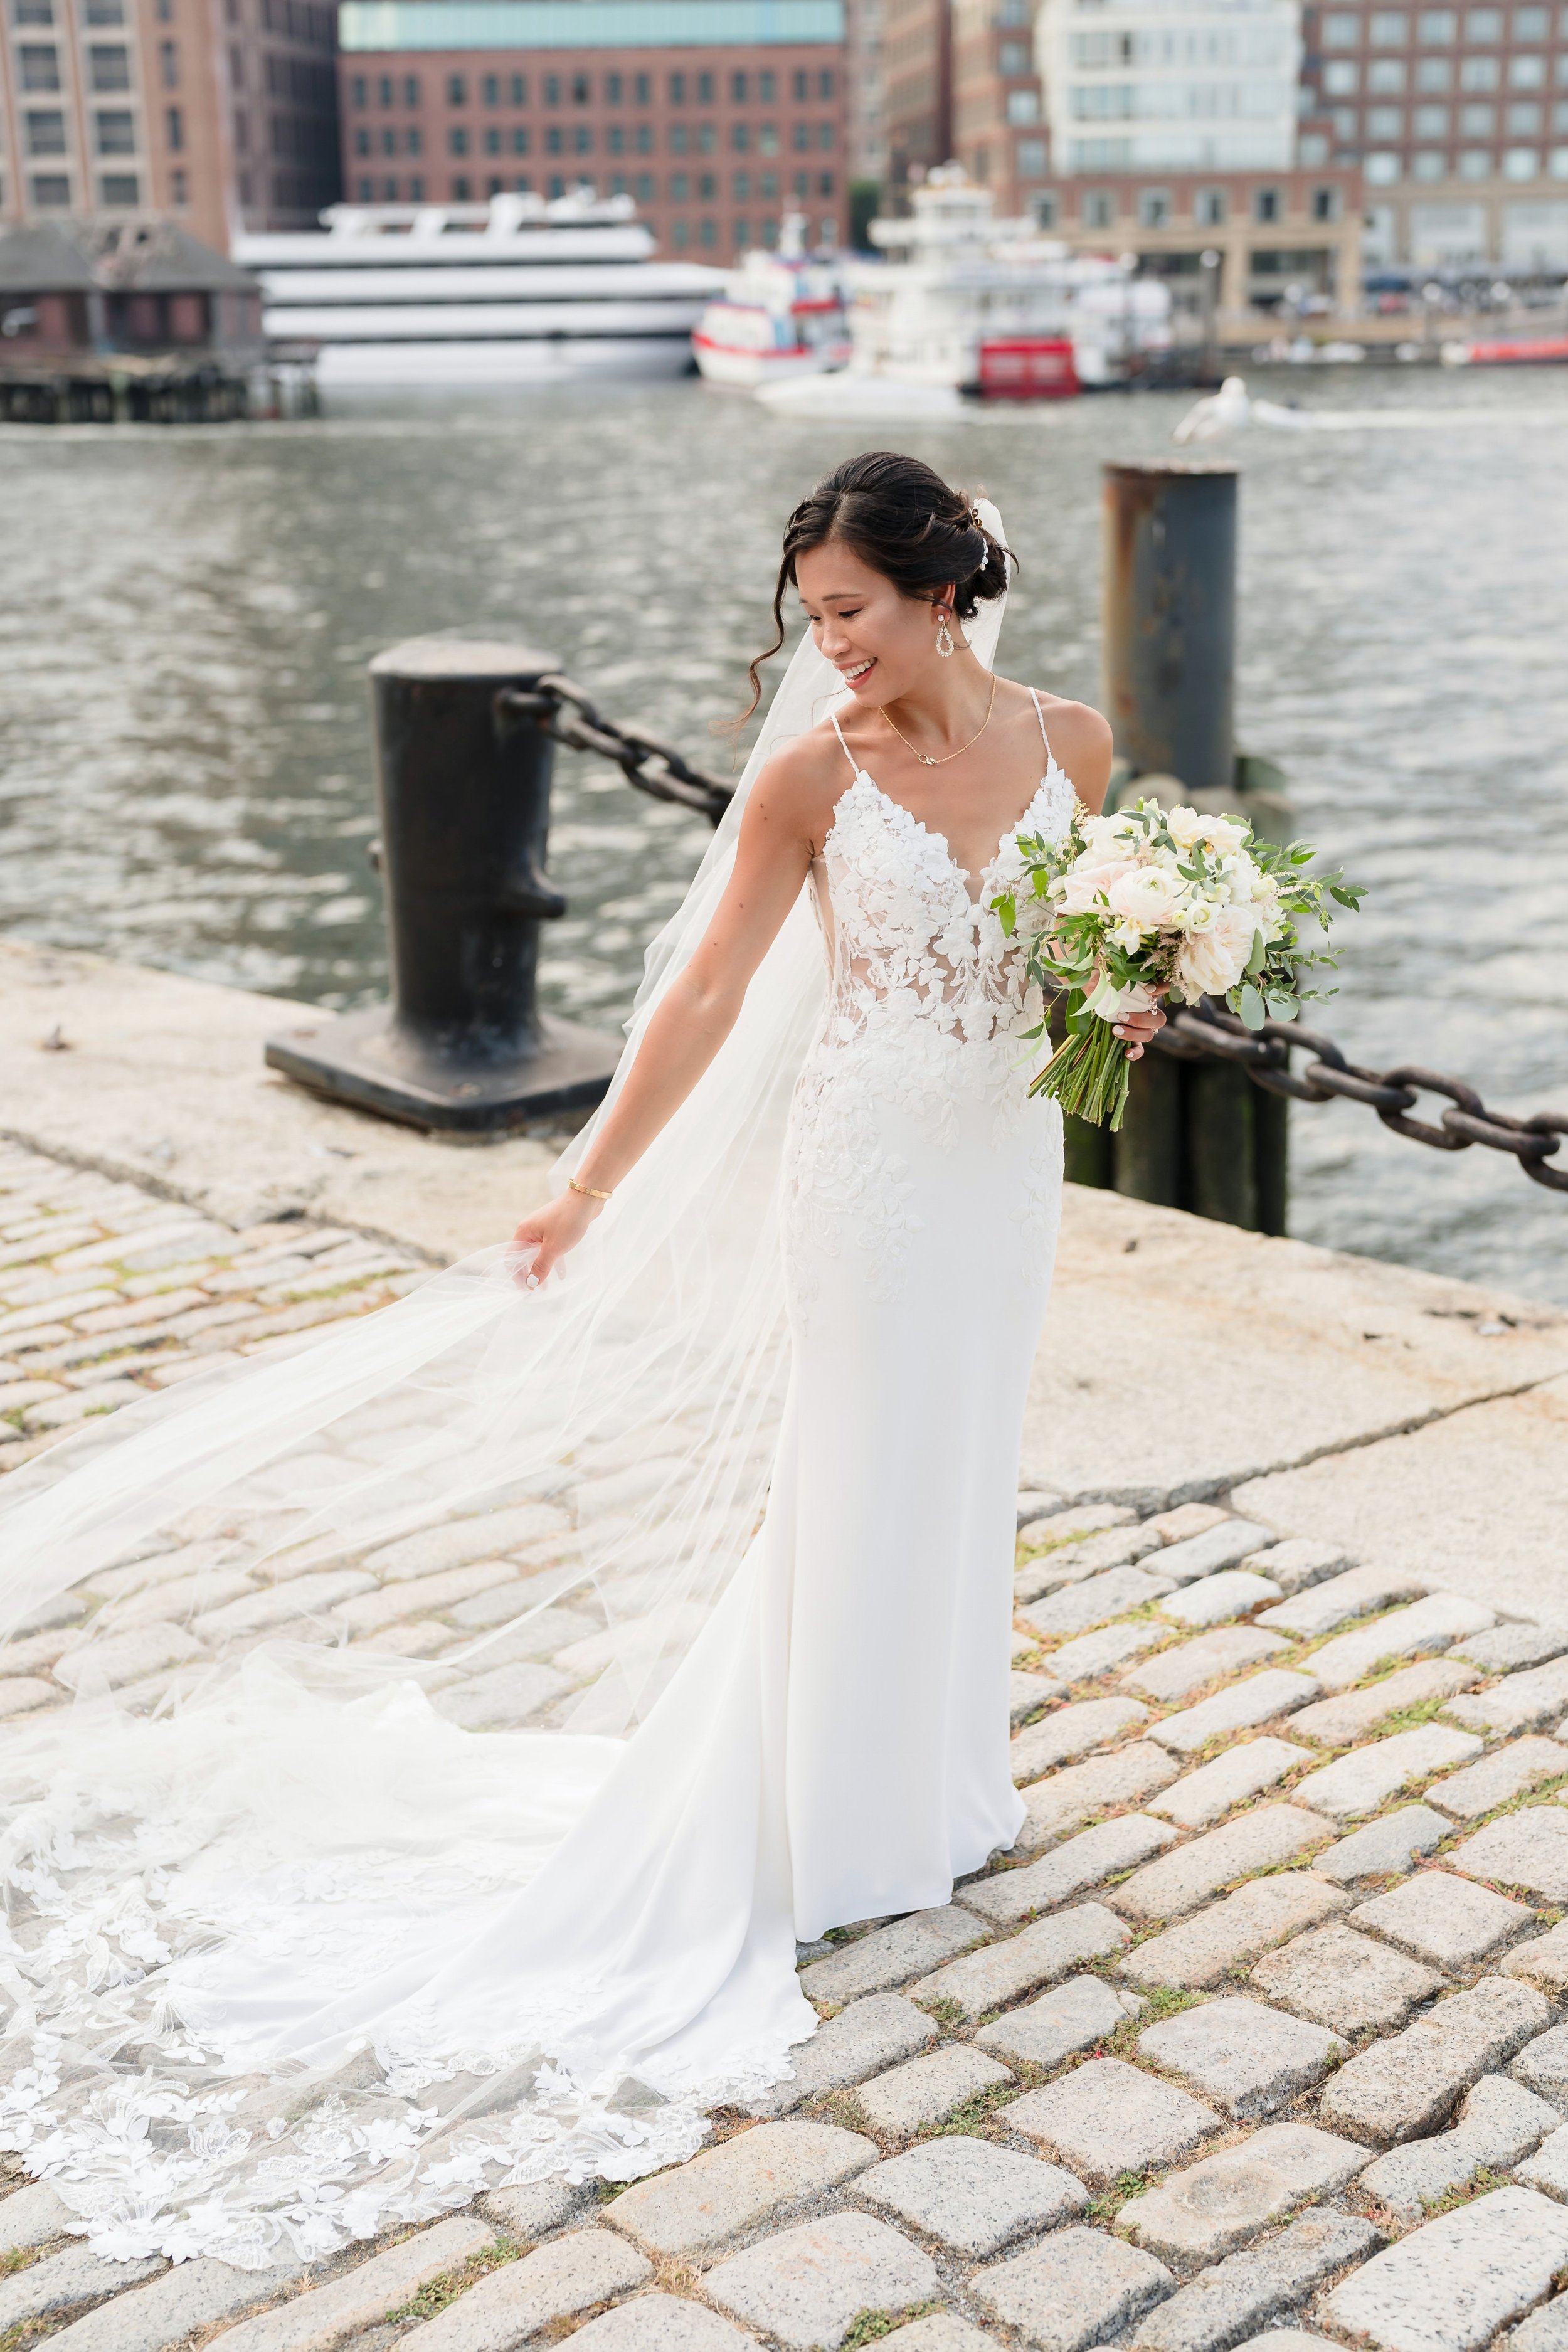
(944, 644)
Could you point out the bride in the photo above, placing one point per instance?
(733, 1430)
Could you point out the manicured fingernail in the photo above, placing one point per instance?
(533, 1282)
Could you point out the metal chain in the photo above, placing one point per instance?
(567, 715)
(1265, 1055)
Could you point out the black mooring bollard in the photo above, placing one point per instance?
(1197, 1135)
(464, 794)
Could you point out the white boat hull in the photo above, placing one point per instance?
(727, 363)
(532, 360)
(850, 394)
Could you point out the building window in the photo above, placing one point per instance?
(366, 191)
(802, 87)
(1341, 78)
(1476, 164)
(31, 11)
(1431, 123)
(555, 139)
(681, 233)
(1434, 73)
(825, 183)
(362, 141)
(492, 141)
(801, 139)
(1478, 73)
(1098, 208)
(1532, 25)
(743, 236)
(1386, 74)
(740, 88)
(520, 89)
(1385, 122)
(615, 139)
(389, 142)
(460, 190)
(1524, 119)
(1522, 164)
(114, 133)
(679, 188)
(642, 91)
(1382, 171)
(358, 91)
(41, 66)
(1266, 205)
(1436, 26)
(678, 89)
(741, 137)
(110, 67)
(51, 191)
(1031, 159)
(768, 186)
(410, 90)
(802, 185)
(551, 89)
(1558, 163)
(120, 188)
(707, 187)
(1526, 73)
(1388, 30)
(768, 139)
(709, 232)
(416, 189)
(492, 89)
(112, 12)
(415, 140)
(174, 130)
(767, 88)
(389, 192)
(383, 90)
(645, 139)
(583, 138)
(456, 90)
(457, 139)
(707, 138)
(1430, 164)
(45, 130)
(1154, 207)
(1342, 32)
(1325, 203)
(770, 233)
(557, 185)
(1477, 121)
(1209, 207)
(180, 189)
(1483, 24)
(519, 139)
(582, 89)
(644, 191)
(824, 83)
(1023, 105)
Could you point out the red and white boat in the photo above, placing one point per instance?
(781, 314)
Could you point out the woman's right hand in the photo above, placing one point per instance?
(542, 1240)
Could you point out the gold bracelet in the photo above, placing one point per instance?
(586, 1189)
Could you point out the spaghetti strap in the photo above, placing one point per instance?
(842, 744)
(1039, 715)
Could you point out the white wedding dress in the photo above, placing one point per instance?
(287, 1970)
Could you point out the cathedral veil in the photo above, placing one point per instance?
(583, 1468)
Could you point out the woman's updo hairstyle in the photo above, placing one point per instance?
(907, 523)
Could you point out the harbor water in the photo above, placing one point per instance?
(185, 773)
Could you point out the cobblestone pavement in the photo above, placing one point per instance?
(1253, 2038)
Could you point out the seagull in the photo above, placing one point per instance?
(1231, 406)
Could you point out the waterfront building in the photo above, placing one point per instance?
(917, 82)
(129, 287)
(864, 102)
(219, 114)
(716, 116)
(1458, 117)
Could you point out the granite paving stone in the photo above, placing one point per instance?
(1529, 1701)
(1263, 1912)
(559, 2279)
(1430, 1624)
(1074, 1795)
(21, 1693)
(1243, 2292)
(1179, 1881)
(1039, 1955)
(1527, 1849)
(1542, 2067)
(329, 2315)
(1342, 1599)
(1410, 2084)
(259, 1611)
(124, 1658)
(1505, 1774)
(1366, 1777)
(1296, 1563)
(1076, 2289)
(661, 2323)
(1505, 1649)
(163, 2315)
(1247, 2059)
(1215, 1599)
(929, 2089)
(1085, 1861)
(1079, 1606)
(57, 2280)
(807, 2285)
(1071, 1732)
(1073, 1563)
(1105, 2118)
(1546, 2330)
(1050, 1516)
(1547, 2169)
(1542, 1961)
(1450, 2286)
(507, 1695)
(488, 1535)
(1187, 1519)
(1027, 1694)
(1200, 1797)
(892, 1955)
(532, 2209)
(31, 2216)
(704, 2205)
(1345, 1981)
(1092, 1654)
(971, 2196)
(1073, 2017)
(1176, 1674)
(1219, 1548)
(1443, 1919)
(1275, 1691)
(942, 2331)
(1384, 1847)
(1499, 2123)
(877, 2031)
(1215, 2205)
(1357, 1713)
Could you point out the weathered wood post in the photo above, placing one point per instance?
(1197, 1135)
(464, 794)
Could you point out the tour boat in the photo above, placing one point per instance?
(781, 315)
(517, 291)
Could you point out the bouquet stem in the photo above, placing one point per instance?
(1089, 1074)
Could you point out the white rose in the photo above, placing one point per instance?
(1107, 836)
(1223, 833)
(1086, 885)
(1211, 960)
(1184, 824)
(1150, 896)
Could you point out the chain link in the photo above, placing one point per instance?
(1265, 1055)
(567, 715)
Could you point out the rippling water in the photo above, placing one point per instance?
(184, 757)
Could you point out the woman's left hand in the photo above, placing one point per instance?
(1138, 1029)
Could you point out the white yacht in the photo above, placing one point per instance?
(515, 291)
(780, 316)
(968, 304)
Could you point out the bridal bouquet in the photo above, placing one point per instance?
(1126, 909)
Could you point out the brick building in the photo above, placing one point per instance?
(1271, 229)
(1459, 119)
(917, 86)
(716, 116)
(220, 114)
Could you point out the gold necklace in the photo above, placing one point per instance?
(924, 758)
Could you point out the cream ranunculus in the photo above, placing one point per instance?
(1211, 961)
(1223, 833)
(1086, 885)
(1183, 825)
(1151, 895)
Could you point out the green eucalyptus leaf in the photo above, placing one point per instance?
(1251, 1008)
